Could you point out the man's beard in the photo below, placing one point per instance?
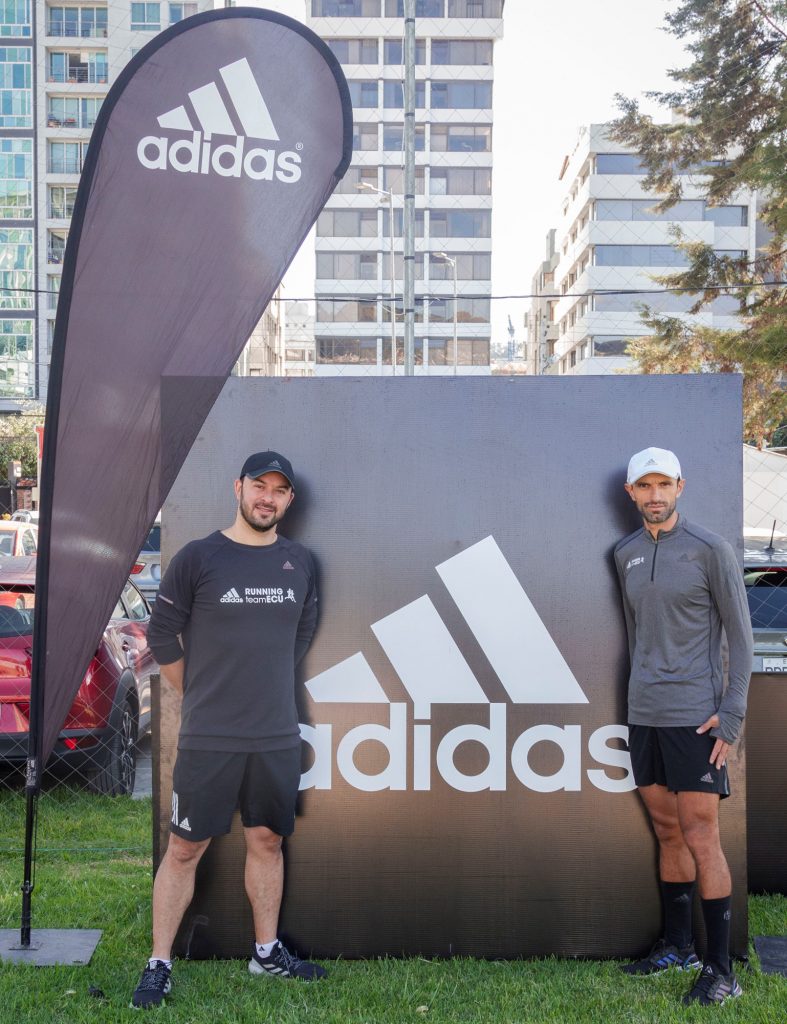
(246, 511)
(661, 515)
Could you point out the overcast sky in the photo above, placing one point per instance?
(558, 67)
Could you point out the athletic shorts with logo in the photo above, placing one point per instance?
(677, 757)
(208, 786)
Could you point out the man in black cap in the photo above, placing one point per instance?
(235, 613)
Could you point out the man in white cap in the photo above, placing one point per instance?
(681, 586)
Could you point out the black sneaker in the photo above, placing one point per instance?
(713, 987)
(281, 963)
(662, 957)
(153, 986)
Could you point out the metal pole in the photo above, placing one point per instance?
(456, 342)
(393, 283)
(409, 187)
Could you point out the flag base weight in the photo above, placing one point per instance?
(50, 946)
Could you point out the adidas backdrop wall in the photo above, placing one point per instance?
(466, 786)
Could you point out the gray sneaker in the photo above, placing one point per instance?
(713, 987)
(281, 963)
(663, 957)
(154, 984)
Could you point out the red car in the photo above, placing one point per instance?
(112, 706)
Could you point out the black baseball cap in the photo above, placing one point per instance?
(267, 462)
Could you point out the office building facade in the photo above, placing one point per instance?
(610, 247)
(355, 246)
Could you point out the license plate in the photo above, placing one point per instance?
(774, 664)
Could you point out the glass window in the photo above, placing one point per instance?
(419, 223)
(766, 592)
(728, 216)
(15, 19)
(460, 181)
(394, 180)
(462, 51)
(61, 201)
(16, 268)
(393, 94)
(363, 94)
(146, 17)
(81, 22)
(53, 292)
(347, 350)
(393, 138)
(362, 311)
(610, 344)
(346, 8)
(82, 66)
(619, 163)
(72, 111)
(354, 177)
(461, 138)
(56, 244)
(470, 351)
(66, 157)
(423, 8)
(461, 224)
(344, 266)
(399, 266)
(461, 95)
(418, 311)
(640, 256)
(393, 51)
(663, 302)
(134, 602)
(16, 94)
(364, 137)
(29, 542)
(475, 266)
(475, 8)
(468, 311)
(17, 367)
(644, 210)
(16, 179)
(354, 51)
(347, 223)
(177, 12)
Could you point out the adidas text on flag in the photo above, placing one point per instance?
(213, 116)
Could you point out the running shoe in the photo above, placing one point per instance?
(154, 984)
(713, 987)
(281, 963)
(662, 957)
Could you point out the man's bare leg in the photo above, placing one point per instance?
(264, 878)
(173, 890)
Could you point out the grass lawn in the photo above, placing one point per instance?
(105, 883)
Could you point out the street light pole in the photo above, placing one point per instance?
(452, 260)
(364, 186)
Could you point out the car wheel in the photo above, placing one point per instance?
(117, 771)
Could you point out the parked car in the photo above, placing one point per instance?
(765, 576)
(146, 570)
(112, 706)
(25, 515)
(18, 538)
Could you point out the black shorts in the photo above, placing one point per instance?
(676, 757)
(209, 785)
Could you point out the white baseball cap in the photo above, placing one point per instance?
(653, 460)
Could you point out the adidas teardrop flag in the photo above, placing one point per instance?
(211, 158)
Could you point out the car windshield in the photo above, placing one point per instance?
(153, 543)
(16, 612)
(766, 590)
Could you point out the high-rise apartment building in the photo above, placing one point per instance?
(609, 248)
(355, 243)
(57, 62)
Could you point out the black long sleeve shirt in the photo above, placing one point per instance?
(242, 617)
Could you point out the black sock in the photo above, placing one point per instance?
(677, 899)
(717, 916)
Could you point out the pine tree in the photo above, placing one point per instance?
(731, 125)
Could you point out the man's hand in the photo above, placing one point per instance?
(718, 755)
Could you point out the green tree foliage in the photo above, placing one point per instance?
(731, 102)
(18, 440)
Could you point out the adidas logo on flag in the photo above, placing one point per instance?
(232, 106)
(232, 597)
(433, 671)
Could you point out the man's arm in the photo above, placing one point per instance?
(170, 616)
(628, 613)
(308, 620)
(729, 595)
